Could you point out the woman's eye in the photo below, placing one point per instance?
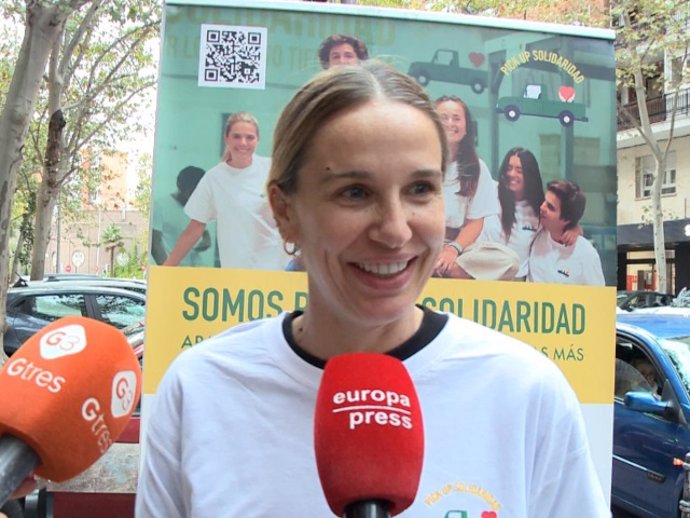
(353, 192)
(422, 188)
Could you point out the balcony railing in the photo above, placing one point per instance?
(660, 109)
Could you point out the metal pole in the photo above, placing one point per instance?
(58, 236)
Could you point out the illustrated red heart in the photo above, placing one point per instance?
(489, 514)
(566, 94)
(477, 58)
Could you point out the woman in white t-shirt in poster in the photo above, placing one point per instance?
(520, 194)
(502, 250)
(233, 194)
(468, 188)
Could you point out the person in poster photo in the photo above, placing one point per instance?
(357, 183)
(233, 194)
(468, 189)
(506, 237)
(169, 220)
(342, 49)
(550, 259)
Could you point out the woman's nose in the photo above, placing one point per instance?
(392, 227)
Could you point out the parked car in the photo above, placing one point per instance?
(107, 282)
(31, 308)
(635, 299)
(651, 413)
(137, 285)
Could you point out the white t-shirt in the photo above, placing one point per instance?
(231, 431)
(550, 261)
(459, 208)
(170, 220)
(236, 198)
(522, 234)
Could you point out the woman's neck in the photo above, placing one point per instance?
(453, 151)
(325, 337)
(239, 164)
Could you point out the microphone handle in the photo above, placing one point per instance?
(17, 461)
(368, 509)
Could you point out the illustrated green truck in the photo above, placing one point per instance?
(445, 67)
(536, 103)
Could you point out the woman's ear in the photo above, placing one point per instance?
(284, 213)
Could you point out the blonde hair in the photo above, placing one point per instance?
(330, 93)
(240, 117)
(237, 117)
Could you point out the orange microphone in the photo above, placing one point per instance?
(368, 436)
(65, 397)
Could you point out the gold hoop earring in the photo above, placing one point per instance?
(294, 250)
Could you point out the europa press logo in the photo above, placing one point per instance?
(63, 341)
(374, 407)
(123, 393)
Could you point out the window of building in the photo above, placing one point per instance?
(680, 67)
(644, 175)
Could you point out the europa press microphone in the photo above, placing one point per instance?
(368, 436)
(65, 397)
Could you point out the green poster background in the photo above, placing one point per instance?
(495, 62)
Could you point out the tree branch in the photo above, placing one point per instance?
(117, 108)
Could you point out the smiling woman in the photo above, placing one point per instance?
(356, 184)
(369, 224)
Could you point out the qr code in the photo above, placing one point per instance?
(232, 56)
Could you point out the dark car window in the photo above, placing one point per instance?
(120, 311)
(52, 307)
(678, 350)
(635, 371)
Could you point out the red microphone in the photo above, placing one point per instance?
(368, 436)
(65, 397)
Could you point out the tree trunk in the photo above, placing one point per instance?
(658, 226)
(43, 24)
(46, 197)
(112, 261)
(646, 132)
(14, 272)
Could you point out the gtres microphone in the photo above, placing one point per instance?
(368, 436)
(65, 397)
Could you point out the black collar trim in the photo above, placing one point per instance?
(432, 324)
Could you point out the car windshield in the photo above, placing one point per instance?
(678, 350)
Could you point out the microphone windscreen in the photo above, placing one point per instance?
(68, 392)
(368, 434)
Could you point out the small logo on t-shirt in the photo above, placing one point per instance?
(530, 228)
(464, 500)
(564, 273)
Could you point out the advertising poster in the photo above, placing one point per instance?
(541, 93)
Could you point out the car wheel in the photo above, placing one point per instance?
(12, 509)
(566, 119)
(512, 113)
(422, 79)
(478, 86)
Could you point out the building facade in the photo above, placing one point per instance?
(78, 245)
(636, 263)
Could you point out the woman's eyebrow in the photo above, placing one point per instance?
(358, 174)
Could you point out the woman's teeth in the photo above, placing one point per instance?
(383, 269)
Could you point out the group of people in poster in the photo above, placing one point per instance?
(508, 228)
